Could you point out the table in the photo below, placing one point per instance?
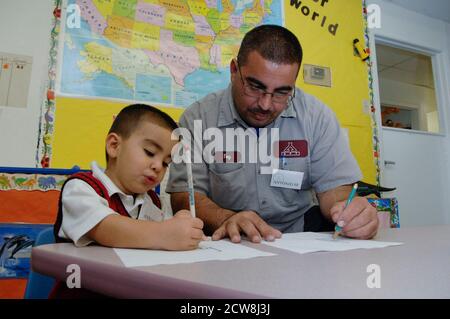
(420, 268)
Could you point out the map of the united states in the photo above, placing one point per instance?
(158, 51)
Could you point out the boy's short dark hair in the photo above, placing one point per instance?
(274, 43)
(129, 118)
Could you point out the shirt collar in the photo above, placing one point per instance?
(228, 114)
(290, 110)
(112, 189)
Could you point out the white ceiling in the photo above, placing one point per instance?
(438, 9)
(403, 66)
(410, 67)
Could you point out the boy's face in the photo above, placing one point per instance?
(138, 163)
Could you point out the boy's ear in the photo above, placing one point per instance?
(113, 141)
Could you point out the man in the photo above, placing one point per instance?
(234, 196)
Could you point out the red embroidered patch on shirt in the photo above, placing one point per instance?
(294, 148)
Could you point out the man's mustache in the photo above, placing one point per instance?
(260, 111)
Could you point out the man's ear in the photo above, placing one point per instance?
(113, 142)
(233, 69)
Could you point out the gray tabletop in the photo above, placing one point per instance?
(420, 268)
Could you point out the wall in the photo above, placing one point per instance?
(25, 28)
(423, 159)
(448, 61)
(77, 140)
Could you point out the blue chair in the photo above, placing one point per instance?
(39, 286)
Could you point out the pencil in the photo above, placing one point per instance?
(190, 181)
(337, 228)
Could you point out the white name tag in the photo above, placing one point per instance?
(286, 179)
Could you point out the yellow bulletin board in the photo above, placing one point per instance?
(81, 129)
(326, 30)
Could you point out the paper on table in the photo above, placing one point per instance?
(208, 250)
(311, 242)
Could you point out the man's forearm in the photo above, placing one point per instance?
(209, 212)
(329, 198)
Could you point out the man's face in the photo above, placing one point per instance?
(260, 75)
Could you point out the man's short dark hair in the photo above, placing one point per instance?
(274, 43)
(129, 118)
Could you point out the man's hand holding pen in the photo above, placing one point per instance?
(357, 220)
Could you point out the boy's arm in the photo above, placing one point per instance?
(179, 233)
(87, 217)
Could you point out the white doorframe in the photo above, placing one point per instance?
(376, 102)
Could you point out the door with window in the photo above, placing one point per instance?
(413, 145)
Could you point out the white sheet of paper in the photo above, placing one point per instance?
(308, 242)
(208, 250)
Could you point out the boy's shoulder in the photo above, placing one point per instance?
(96, 184)
(89, 178)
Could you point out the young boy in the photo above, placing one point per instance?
(117, 208)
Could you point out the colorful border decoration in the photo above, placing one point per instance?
(46, 124)
(30, 179)
(25, 182)
(375, 133)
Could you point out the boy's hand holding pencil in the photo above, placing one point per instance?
(182, 232)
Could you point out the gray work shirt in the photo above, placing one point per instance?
(311, 141)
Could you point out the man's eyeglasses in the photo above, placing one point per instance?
(257, 92)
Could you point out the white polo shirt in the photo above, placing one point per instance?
(83, 208)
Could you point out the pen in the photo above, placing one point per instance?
(190, 181)
(337, 228)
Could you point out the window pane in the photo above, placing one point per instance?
(407, 92)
